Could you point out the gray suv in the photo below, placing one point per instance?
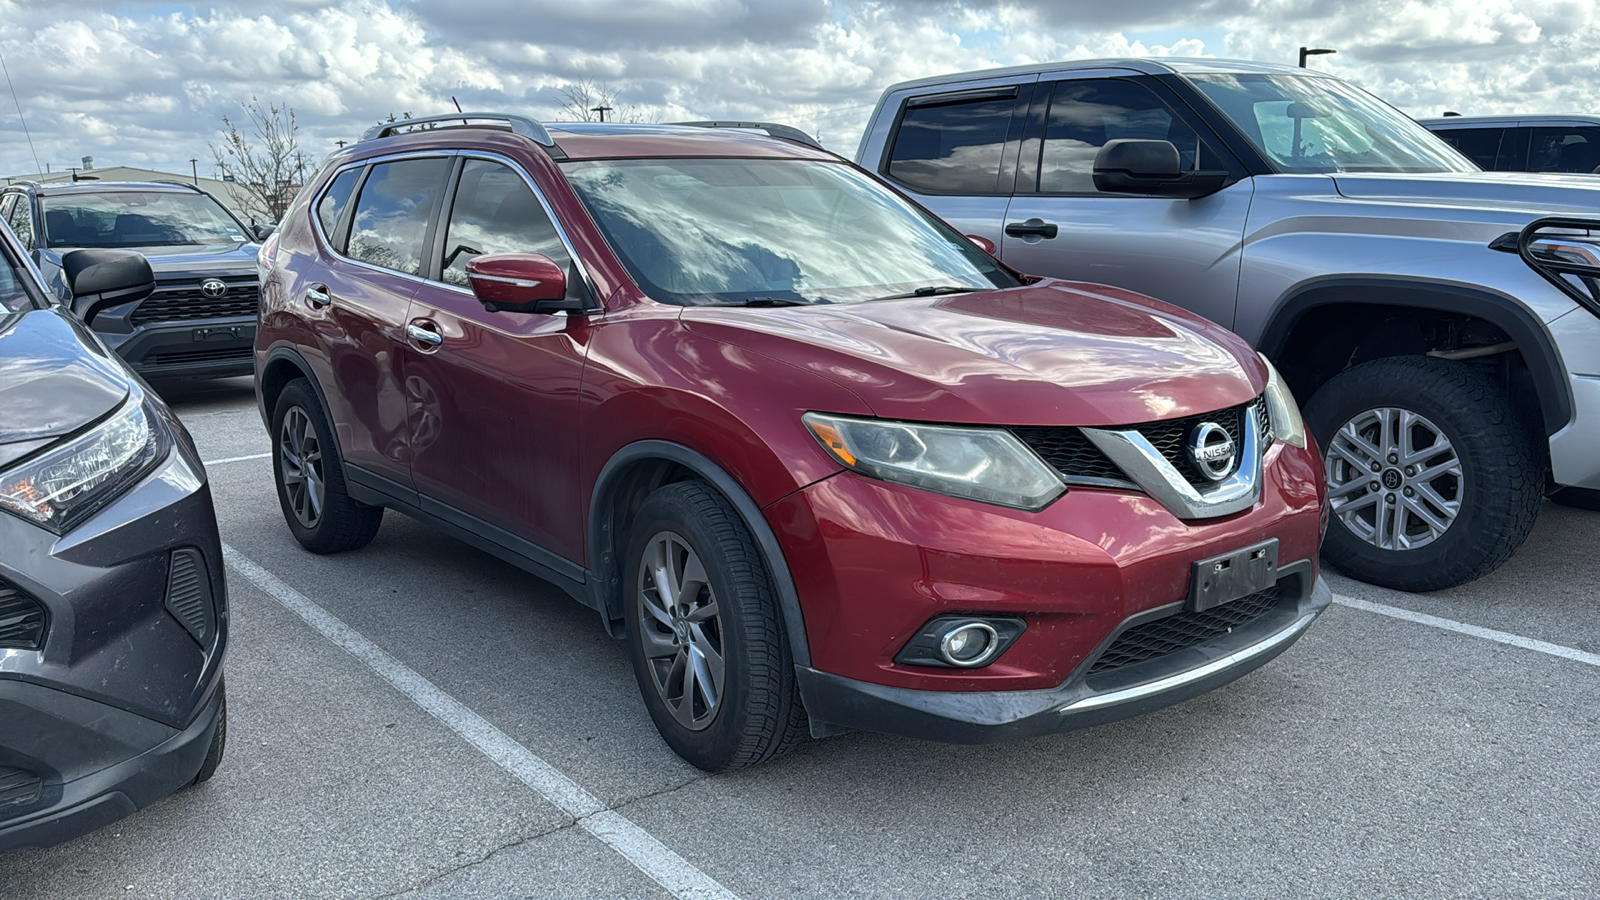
(1444, 323)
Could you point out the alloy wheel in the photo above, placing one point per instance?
(681, 630)
(300, 467)
(1394, 479)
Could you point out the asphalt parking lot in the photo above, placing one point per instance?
(418, 719)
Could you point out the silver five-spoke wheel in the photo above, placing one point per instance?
(301, 467)
(1394, 479)
(681, 630)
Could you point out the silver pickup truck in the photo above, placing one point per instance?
(1442, 323)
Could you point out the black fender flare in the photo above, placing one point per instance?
(280, 354)
(1503, 311)
(600, 537)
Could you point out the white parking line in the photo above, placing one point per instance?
(1488, 634)
(680, 877)
(228, 459)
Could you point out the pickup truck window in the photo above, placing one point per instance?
(952, 147)
(1084, 115)
(1307, 123)
(1564, 150)
(1477, 144)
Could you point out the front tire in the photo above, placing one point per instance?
(1433, 480)
(705, 632)
(310, 477)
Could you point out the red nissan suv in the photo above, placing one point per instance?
(819, 458)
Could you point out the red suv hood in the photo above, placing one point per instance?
(1054, 353)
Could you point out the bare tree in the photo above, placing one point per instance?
(588, 101)
(264, 159)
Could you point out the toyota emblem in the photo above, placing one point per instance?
(1212, 450)
(213, 288)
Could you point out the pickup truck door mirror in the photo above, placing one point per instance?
(520, 282)
(103, 278)
(262, 232)
(1150, 168)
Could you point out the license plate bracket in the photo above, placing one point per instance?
(222, 332)
(1221, 579)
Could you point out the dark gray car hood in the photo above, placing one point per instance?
(55, 378)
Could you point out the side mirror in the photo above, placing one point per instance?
(262, 232)
(520, 282)
(102, 278)
(982, 243)
(1150, 168)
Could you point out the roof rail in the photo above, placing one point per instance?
(172, 181)
(782, 132)
(521, 125)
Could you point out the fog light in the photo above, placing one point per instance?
(969, 644)
(960, 641)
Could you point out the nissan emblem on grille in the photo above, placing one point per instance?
(1212, 450)
(213, 288)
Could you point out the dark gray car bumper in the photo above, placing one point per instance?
(117, 707)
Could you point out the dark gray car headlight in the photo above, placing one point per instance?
(1282, 411)
(985, 464)
(65, 485)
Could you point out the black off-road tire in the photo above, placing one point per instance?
(1502, 472)
(342, 523)
(759, 714)
(219, 741)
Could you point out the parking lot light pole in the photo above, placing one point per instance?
(1312, 51)
(194, 167)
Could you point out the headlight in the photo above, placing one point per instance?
(984, 464)
(1282, 411)
(68, 484)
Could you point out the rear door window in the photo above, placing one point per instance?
(1575, 150)
(954, 143)
(1085, 115)
(390, 226)
(1481, 145)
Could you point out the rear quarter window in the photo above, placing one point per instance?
(333, 200)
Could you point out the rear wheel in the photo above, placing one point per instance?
(707, 638)
(310, 477)
(1432, 478)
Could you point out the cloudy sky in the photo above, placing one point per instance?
(147, 84)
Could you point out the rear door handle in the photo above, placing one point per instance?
(424, 333)
(318, 297)
(1032, 228)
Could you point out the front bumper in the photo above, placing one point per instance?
(100, 763)
(117, 706)
(197, 348)
(976, 717)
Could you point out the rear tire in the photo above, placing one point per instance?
(310, 477)
(1433, 480)
(705, 632)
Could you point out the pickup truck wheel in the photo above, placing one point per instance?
(1432, 481)
(706, 634)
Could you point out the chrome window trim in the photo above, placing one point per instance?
(1143, 463)
(485, 155)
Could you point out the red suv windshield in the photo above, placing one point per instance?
(702, 231)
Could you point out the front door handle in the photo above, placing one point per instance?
(424, 333)
(318, 297)
(1032, 228)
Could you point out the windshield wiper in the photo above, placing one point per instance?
(929, 291)
(768, 302)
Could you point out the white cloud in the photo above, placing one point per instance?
(141, 84)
